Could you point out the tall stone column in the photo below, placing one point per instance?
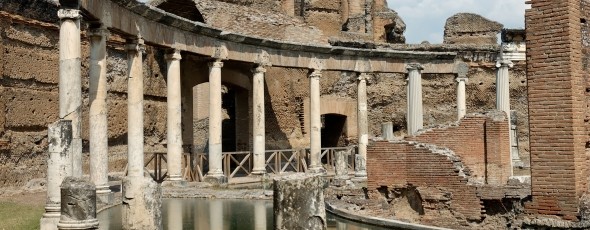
(258, 131)
(362, 122)
(461, 105)
(315, 165)
(503, 101)
(215, 174)
(60, 140)
(135, 154)
(415, 111)
(462, 69)
(70, 85)
(141, 195)
(174, 122)
(503, 86)
(99, 152)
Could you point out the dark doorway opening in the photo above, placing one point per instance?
(228, 125)
(332, 130)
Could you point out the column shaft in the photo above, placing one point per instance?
(316, 123)
(415, 110)
(362, 122)
(461, 106)
(503, 87)
(258, 123)
(174, 117)
(215, 119)
(70, 85)
(99, 157)
(135, 154)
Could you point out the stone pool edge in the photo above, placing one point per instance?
(378, 221)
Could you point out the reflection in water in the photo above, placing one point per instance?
(201, 214)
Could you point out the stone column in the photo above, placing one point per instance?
(60, 139)
(99, 152)
(174, 122)
(315, 165)
(461, 106)
(462, 69)
(299, 202)
(387, 131)
(215, 174)
(78, 205)
(415, 110)
(362, 122)
(135, 154)
(70, 85)
(341, 169)
(258, 123)
(503, 100)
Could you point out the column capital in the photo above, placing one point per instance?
(173, 55)
(364, 77)
(98, 32)
(462, 79)
(504, 63)
(316, 73)
(68, 14)
(414, 66)
(259, 69)
(216, 64)
(135, 45)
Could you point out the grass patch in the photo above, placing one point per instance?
(16, 216)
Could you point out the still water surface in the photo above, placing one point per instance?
(202, 214)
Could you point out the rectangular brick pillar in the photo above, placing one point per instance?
(497, 144)
(556, 107)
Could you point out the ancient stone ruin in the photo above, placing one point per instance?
(122, 102)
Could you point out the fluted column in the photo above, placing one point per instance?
(315, 165)
(174, 117)
(258, 123)
(135, 155)
(415, 110)
(215, 174)
(70, 85)
(503, 103)
(362, 123)
(461, 105)
(503, 86)
(99, 156)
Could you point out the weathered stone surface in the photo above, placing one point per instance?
(29, 108)
(78, 204)
(341, 165)
(387, 131)
(41, 63)
(78, 199)
(299, 202)
(142, 203)
(470, 28)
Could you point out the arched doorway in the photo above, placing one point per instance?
(333, 130)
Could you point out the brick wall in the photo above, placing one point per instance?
(556, 107)
(481, 141)
(435, 175)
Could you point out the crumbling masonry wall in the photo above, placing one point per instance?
(481, 141)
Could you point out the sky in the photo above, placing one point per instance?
(425, 19)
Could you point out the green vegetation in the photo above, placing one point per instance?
(14, 216)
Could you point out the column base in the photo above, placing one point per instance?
(319, 169)
(360, 174)
(77, 224)
(216, 179)
(258, 172)
(49, 221)
(104, 195)
(517, 163)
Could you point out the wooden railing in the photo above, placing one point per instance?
(240, 164)
(157, 158)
